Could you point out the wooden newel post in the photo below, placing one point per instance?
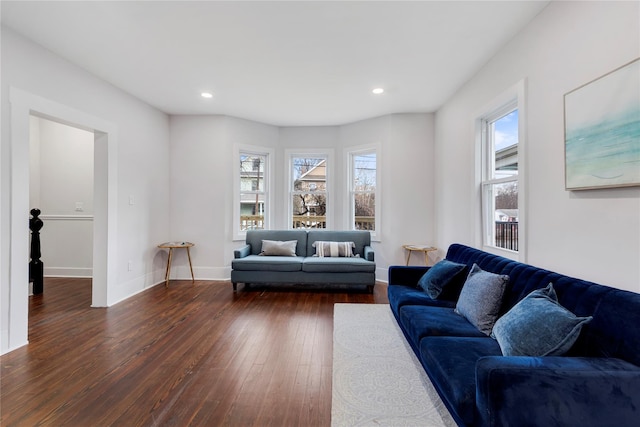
(36, 268)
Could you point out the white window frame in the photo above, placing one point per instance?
(350, 153)
(512, 99)
(327, 154)
(268, 177)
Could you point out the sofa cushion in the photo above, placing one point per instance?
(420, 321)
(337, 265)
(451, 362)
(538, 326)
(333, 249)
(400, 295)
(481, 298)
(443, 280)
(267, 263)
(279, 248)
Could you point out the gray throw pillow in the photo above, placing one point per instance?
(538, 326)
(481, 298)
(276, 247)
(443, 280)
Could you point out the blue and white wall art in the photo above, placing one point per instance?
(602, 131)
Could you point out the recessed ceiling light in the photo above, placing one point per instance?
(378, 90)
(206, 95)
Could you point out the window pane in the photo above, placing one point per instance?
(252, 172)
(252, 208)
(365, 211)
(309, 174)
(309, 210)
(364, 172)
(253, 169)
(364, 188)
(309, 192)
(504, 133)
(505, 219)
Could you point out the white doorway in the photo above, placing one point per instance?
(23, 105)
(61, 187)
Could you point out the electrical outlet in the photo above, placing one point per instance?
(131, 201)
(130, 265)
(79, 206)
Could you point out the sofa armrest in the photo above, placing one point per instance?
(242, 251)
(406, 276)
(544, 391)
(369, 254)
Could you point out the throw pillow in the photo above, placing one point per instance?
(441, 279)
(481, 298)
(277, 247)
(334, 249)
(538, 326)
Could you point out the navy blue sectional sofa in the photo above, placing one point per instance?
(249, 266)
(597, 383)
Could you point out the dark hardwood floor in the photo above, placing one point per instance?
(195, 354)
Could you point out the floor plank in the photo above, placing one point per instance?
(192, 354)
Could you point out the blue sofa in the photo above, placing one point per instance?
(597, 383)
(248, 266)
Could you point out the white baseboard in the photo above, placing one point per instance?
(68, 272)
(201, 273)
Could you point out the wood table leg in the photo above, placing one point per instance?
(408, 255)
(193, 279)
(168, 271)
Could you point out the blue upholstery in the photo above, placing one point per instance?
(254, 239)
(249, 267)
(597, 383)
(323, 265)
(268, 263)
(450, 362)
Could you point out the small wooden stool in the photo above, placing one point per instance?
(419, 248)
(171, 246)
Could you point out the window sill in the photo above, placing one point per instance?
(506, 253)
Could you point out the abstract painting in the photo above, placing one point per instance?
(602, 131)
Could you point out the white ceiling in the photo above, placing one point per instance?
(291, 63)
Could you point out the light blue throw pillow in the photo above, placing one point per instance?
(443, 275)
(481, 298)
(538, 326)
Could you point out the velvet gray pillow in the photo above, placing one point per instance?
(481, 298)
(444, 280)
(279, 248)
(538, 326)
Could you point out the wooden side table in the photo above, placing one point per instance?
(171, 246)
(419, 248)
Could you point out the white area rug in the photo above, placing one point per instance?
(377, 379)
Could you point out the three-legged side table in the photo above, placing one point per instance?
(171, 246)
(419, 248)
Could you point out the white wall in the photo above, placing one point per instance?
(142, 172)
(202, 175)
(201, 188)
(406, 168)
(61, 175)
(594, 235)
